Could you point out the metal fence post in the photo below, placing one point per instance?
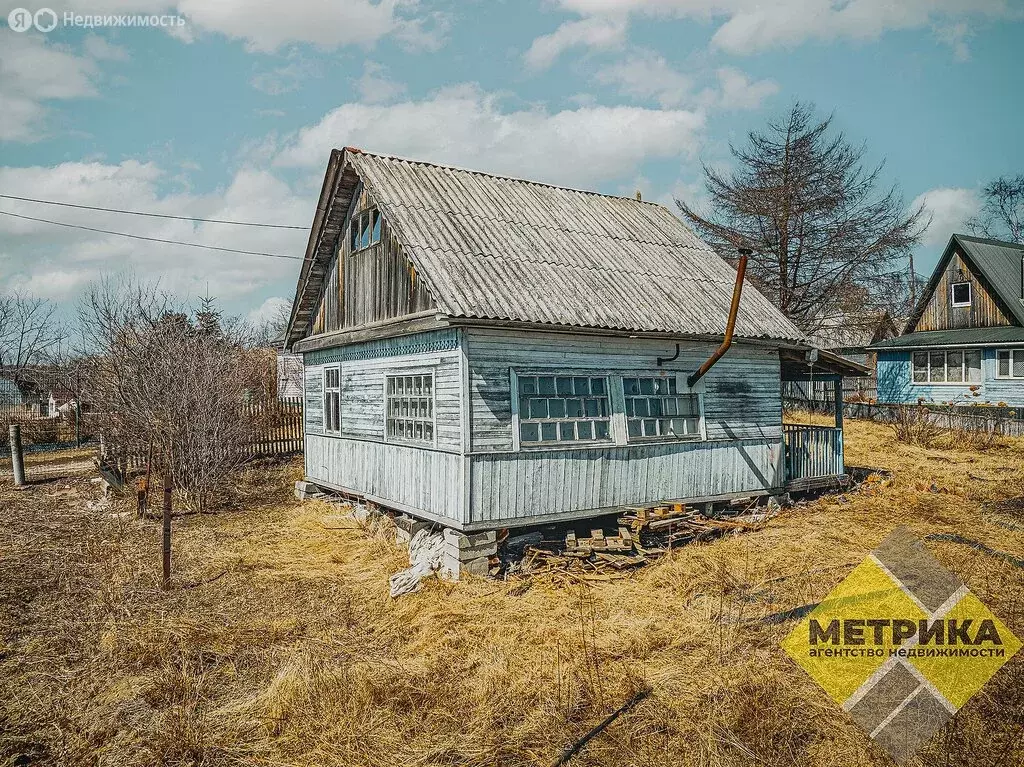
(17, 457)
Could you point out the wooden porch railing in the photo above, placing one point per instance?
(813, 451)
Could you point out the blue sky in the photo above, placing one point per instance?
(232, 113)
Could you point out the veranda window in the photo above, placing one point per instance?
(410, 408)
(954, 366)
(655, 409)
(1010, 363)
(557, 409)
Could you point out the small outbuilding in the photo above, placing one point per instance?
(488, 352)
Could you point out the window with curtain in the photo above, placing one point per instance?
(953, 366)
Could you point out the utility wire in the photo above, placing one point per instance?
(151, 239)
(151, 215)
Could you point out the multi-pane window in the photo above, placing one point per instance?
(948, 366)
(960, 293)
(556, 409)
(410, 408)
(365, 229)
(332, 399)
(655, 408)
(1010, 363)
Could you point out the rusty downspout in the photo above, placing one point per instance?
(741, 270)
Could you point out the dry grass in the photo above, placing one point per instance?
(296, 655)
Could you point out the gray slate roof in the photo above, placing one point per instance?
(499, 248)
(966, 336)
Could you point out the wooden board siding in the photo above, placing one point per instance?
(510, 488)
(427, 482)
(742, 398)
(313, 396)
(940, 314)
(373, 284)
(364, 368)
(895, 383)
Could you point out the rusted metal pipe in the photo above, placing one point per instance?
(741, 270)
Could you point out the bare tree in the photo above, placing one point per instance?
(1002, 212)
(803, 201)
(185, 386)
(31, 332)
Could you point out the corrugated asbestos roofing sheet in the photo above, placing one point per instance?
(996, 335)
(491, 247)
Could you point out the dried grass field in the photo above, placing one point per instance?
(279, 644)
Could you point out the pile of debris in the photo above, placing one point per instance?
(643, 535)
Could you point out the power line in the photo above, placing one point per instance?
(151, 239)
(151, 215)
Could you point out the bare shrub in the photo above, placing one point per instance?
(915, 424)
(184, 387)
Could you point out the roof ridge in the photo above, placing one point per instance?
(504, 177)
(990, 241)
(549, 227)
(588, 267)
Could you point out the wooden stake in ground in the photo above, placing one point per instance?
(168, 487)
(17, 458)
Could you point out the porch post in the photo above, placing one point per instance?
(838, 381)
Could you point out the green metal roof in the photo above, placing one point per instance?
(1000, 264)
(964, 337)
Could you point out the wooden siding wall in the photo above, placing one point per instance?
(940, 314)
(513, 488)
(370, 285)
(407, 478)
(742, 398)
(313, 400)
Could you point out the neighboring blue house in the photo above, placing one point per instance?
(964, 343)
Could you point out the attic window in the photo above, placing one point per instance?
(365, 229)
(961, 293)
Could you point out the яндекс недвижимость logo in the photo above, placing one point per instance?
(901, 644)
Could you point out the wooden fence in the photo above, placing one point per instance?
(278, 432)
(813, 451)
(1007, 422)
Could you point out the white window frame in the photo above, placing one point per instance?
(945, 363)
(952, 294)
(375, 220)
(405, 373)
(681, 392)
(517, 419)
(1013, 353)
(615, 392)
(328, 390)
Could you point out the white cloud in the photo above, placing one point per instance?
(753, 26)
(646, 74)
(737, 91)
(33, 72)
(375, 86)
(949, 208)
(269, 311)
(466, 126)
(286, 78)
(590, 33)
(57, 262)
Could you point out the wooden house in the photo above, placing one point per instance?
(487, 352)
(964, 343)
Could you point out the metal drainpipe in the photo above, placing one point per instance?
(741, 270)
